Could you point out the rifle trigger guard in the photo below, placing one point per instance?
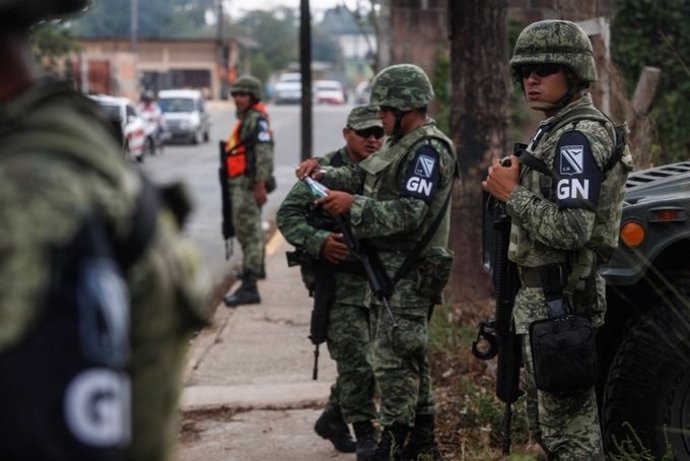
(485, 334)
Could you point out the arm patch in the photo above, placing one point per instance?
(422, 177)
(263, 131)
(577, 178)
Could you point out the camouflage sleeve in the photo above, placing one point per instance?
(431, 163)
(380, 218)
(546, 222)
(260, 139)
(291, 219)
(567, 224)
(346, 178)
(41, 205)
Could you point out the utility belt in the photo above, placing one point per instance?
(563, 345)
(350, 268)
(551, 278)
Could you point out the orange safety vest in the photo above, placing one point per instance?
(236, 159)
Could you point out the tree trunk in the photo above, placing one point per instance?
(480, 108)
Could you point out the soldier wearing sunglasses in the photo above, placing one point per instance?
(563, 193)
(314, 232)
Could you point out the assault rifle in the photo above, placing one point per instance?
(499, 333)
(227, 227)
(378, 280)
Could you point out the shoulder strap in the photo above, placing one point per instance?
(422, 243)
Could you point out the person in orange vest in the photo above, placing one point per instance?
(250, 168)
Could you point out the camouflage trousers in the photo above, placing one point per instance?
(401, 365)
(349, 345)
(566, 427)
(246, 217)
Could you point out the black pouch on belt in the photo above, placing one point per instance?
(563, 349)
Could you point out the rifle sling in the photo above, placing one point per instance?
(421, 243)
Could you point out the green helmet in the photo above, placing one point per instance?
(556, 42)
(401, 86)
(23, 13)
(248, 84)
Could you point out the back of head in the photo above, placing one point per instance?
(556, 42)
(21, 14)
(248, 84)
(401, 86)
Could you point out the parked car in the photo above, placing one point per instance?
(185, 115)
(124, 114)
(329, 92)
(288, 88)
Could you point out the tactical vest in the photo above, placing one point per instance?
(395, 157)
(604, 238)
(239, 159)
(65, 388)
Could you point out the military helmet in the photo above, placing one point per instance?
(556, 42)
(401, 86)
(23, 13)
(248, 84)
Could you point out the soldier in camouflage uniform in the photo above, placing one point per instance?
(99, 292)
(564, 219)
(310, 229)
(404, 214)
(250, 166)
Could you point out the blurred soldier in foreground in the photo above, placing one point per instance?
(404, 215)
(327, 265)
(250, 169)
(563, 192)
(99, 293)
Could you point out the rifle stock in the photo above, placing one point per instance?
(227, 226)
(499, 333)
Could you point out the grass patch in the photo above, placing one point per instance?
(470, 421)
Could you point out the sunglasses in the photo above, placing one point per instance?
(373, 131)
(542, 70)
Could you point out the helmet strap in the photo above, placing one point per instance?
(398, 114)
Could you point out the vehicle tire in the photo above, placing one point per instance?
(207, 137)
(646, 404)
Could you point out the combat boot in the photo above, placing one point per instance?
(366, 443)
(422, 443)
(247, 293)
(332, 427)
(392, 440)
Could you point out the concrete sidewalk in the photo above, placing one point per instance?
(249, 393)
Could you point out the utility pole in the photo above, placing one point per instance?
(134, 26)
(223, 54)
(305, 69)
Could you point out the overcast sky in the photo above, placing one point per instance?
(237, 6)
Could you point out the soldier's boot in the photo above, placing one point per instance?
(247, 293)
(332, 427)
(392, 440)
(366, 442)
(422, 443)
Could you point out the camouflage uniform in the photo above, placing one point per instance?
(394, 212)
(348, 317)
(62, 169)
(555, 224)
(348, 331)
(251, 141)
(246, 213)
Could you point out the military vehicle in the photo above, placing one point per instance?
(644, 347)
